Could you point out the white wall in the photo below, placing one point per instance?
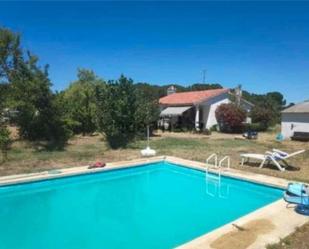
(209, 108)
(291, 122)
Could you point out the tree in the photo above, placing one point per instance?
(262, 116)
(5, 141)
(10, 54)
(123, 111)
(37, 114)
(201, 87)
(230, 117)
(4, 91)
(147, 110)
(79, 102)
(272, 103)
(152, 91)
(116, 110)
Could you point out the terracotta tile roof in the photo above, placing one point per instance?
(190, 98)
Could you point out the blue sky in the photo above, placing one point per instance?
(262, 45)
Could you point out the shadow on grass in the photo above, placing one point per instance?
(48, 146)
(272, 166)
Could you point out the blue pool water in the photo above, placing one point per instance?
(156, 206)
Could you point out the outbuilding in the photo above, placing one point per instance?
(295, 119)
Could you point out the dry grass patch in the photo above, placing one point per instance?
(297, 240)
(242, 238)
(26, 157)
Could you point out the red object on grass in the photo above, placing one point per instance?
(99, 164)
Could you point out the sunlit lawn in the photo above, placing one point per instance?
(25, 157)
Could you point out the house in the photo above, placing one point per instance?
(295, 119)
(195, 109)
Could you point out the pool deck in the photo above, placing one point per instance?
(285, 220)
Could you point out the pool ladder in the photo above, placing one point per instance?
(214, 179)
(219, 165)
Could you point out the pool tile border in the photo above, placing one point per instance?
(286, 220)
(72, 171)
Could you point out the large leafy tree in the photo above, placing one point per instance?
(262, 116)
(79, 101)
(37, 113)
(268, 107)
(3, 103)
(123, 111)
(117, 104)
(147, 112)
(6, 38)
(5, 141)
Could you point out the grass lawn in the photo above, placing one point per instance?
(25, 157)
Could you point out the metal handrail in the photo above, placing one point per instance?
(214, 179)
(214, 175)
(214, 155)
(226, 158)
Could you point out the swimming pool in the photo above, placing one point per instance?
(157, 205)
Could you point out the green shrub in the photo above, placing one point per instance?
(123, 112)
(206, 132)
(255, 127)
(263, 116)
(214, 128)
(79, 102)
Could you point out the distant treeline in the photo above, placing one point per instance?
(159, 91)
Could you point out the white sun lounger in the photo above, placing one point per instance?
(284, 155)
(275, 156)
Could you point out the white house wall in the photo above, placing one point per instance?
(209, 109)
(205, 113)
(291, 122)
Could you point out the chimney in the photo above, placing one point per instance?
(238, 94)
(171, 90)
